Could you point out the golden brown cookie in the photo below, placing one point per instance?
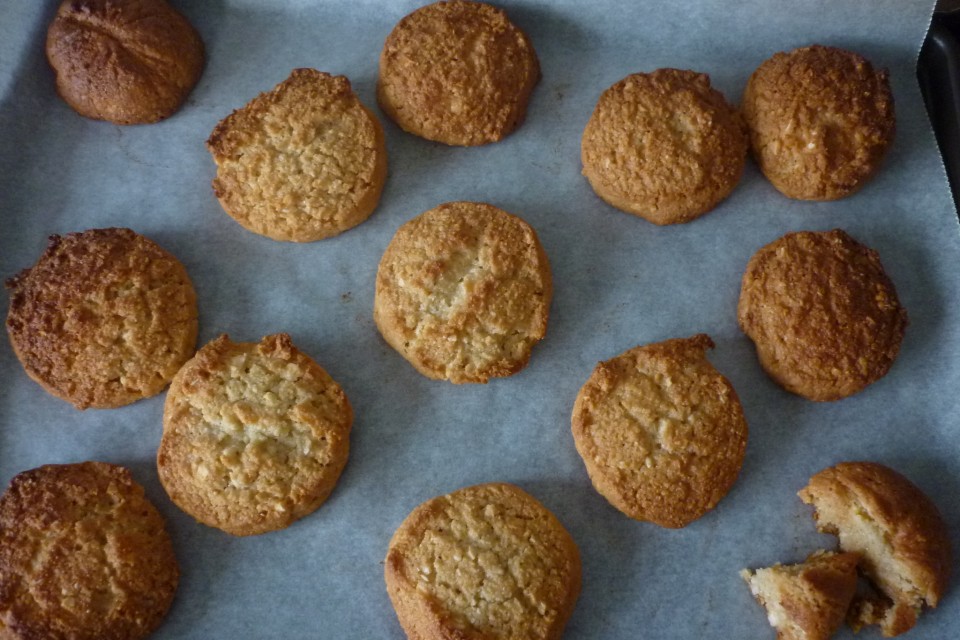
(661, 432)
(822, 313)
(821, 120)
(255, 435)
(486, 562)
(457, 72)
(463, 292)
(128, 62)
(665, 146)
(84, 555)
(898, 532)
(806, 601)
(105, 318)
(302, 162)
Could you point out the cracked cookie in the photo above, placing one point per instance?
(130, 62)
(485, 562)
(902, 540)
(821, 120)
(105, 318)
(664, 146)
(302, 162)
(661, 432)
(806, 601)
(83, 555)
(463, 292)
(822, 312)
(457, 72)
(255, 435)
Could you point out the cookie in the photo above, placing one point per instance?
(83, 555)
(463, 292)
(661, 432)
(898, 532)
(457, 72)
(301, 162)
(806, 601)
(485, 562)
(822, 313)
(255, 435)
(130, 62)
(664, 146)
(821, 120)
(105, 318)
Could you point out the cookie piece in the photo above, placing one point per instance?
(898, 532)
(463, 292)
(664, 146)
(255, 435)
(83, 555)
(105, 318)
(485, 562)
(130, 62)
(661, 432)
(806, 601)
(302, 162)
(822, 313)
(457, 72)
(821, 120)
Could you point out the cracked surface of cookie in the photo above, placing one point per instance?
(105, 318)
(128, 62)
(806, 601)
(822, 313)
(661, 432)
(83, 555)
(255, 435)
(463, 292)
(664, 146)
(896, 529)
(457, 72)
(821, 120)
(487, 562)
(302, 162)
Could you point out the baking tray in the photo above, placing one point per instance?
(938, 72)
(619, 282)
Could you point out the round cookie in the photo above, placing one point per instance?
(301, 162)
(83, 555)
(898, 532)
(806, 601)
(255, 435)
(821, 120)
(485, 562)
(822, 313)
(130, 62)
(463, 292)
(457, 72)
(105, 318)
(664, 146)
(661, 432)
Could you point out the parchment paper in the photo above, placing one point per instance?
(619, 282)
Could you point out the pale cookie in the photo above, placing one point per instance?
(457, 72)
(463, 292)
(821, 120)
(254, 435)
(105, 318)
(661, 432)
(486, 562)
(84, 555)
(664, 146)
(898, 532)
(129, 62)
(806, 601)
(824, 316)
(302, 162)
